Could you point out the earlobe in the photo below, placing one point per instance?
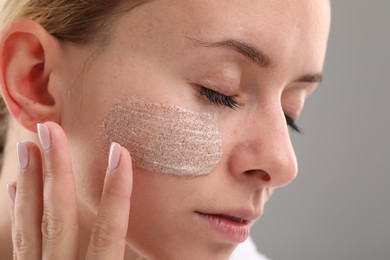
(27, 58)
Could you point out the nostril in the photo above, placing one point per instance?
(259, 174)
(266, 177)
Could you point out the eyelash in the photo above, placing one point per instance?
(230, 102)
(218, 98)
(292, 124)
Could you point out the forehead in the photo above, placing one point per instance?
(277, 25)
(246, 15)
(283, 29)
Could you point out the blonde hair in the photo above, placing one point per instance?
(77, 21)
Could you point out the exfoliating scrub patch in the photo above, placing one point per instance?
(165, 139)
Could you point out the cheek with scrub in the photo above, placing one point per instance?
(165, 139)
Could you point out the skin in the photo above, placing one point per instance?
(153, 52)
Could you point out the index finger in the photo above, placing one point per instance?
(109, 232)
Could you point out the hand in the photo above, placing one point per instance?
(44, 213)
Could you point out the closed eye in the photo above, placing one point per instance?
(291, 123)
(230, 102)
(218, 98)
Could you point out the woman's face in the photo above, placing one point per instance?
(266, 54)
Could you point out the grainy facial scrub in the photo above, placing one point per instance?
(165, 139)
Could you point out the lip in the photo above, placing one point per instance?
(233, 225)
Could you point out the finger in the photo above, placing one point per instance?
(108, 234)
(12, 194)
(28, 203)
(59, 221)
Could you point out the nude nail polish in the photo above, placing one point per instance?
(44, 137)
(22, 155)
(113, 160)
(12, 192)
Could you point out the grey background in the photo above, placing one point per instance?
(339, 206)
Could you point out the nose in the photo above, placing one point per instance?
(262, 149)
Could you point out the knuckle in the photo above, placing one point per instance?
(102, 236)
(22, 190)
(20, 242)
(51, 171)
(112, 190)
(56, 177)
(52, 227)
(50, 177)
(115, 191)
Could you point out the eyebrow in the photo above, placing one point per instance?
(250, 52)
(311, 78)
(255, 55)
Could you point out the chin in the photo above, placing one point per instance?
(188, 255)
(187, 251)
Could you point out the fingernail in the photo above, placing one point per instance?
(113, 160)
(44, 136)
(12, 192)
(22, 155)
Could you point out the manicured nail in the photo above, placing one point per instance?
(12, 192)
(44, 136)
(22, 155)
(113, 160)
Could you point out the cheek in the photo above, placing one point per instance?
(164, 138)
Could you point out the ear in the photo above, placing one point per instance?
(28, 58)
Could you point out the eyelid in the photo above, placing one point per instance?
(223, 87)
(218, 98)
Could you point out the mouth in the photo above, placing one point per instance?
(230, 227)
(235, 220)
